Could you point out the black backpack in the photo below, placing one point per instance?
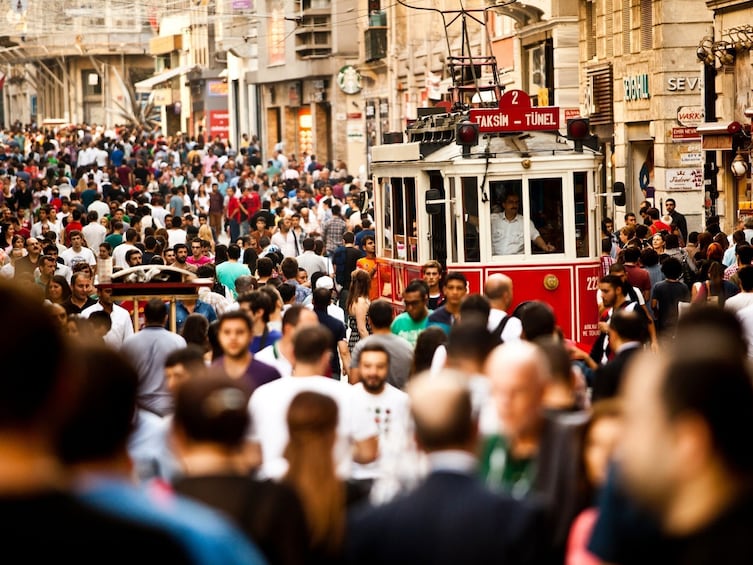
(497, 333)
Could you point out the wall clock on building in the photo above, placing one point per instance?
(349, 80)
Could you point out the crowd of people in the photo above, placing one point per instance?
(294, 417)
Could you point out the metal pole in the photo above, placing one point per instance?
(710, 168)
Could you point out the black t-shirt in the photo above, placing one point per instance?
(668, 295)
(270, 514)
(726, 540)
(338, 334)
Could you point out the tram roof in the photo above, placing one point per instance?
(526, 144)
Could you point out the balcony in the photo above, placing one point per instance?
(313, 37)
(375, 43)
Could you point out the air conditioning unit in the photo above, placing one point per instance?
(375, 43)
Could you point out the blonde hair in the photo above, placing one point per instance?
(205, 232)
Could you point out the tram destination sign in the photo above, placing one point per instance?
(515, 113)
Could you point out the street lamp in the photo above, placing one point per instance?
(739, 167)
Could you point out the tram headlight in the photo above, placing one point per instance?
(579, 131)
(466, 134)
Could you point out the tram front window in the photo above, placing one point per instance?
(508, 222)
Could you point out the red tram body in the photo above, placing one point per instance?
(438, 196)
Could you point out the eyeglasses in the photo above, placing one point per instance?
(410, 303)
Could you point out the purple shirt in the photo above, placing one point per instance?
(257, 373)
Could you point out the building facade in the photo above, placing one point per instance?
(643, 91)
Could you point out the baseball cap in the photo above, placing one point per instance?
(325, 282)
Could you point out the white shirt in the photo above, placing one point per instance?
(119, 254)
(269, 407)
(122, 324)
(100, 208)
(286, 243)
(175, 236)
(271, 355)
(390, 410)
(71, 257)
(507, 235)
(739, 301)
(94, 233)
(745, 316)
(512, 329)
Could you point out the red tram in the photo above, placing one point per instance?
(440, 196)
(441, 193)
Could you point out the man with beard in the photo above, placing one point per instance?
(386, 404)
(181, 258)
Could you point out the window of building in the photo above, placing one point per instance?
(590, 30)
(609, 27)
(647, 25)
(625, 27)
(92, 83)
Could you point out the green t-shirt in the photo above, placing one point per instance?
(501, 471)
(407, 328)
(114, 239)
(228, 271)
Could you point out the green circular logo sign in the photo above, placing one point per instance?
(349, 80)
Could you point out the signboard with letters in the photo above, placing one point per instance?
(515, 113)
(690, 116)
(684, 179)
(685, 134)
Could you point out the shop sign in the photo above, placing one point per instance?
(692, 158)
(684, 134)
(349, 80)
(680, 84)
(636, 88)
(684, 179)
(690, 116)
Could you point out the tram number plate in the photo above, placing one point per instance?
(592, 283)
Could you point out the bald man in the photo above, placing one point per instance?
(413, 528)
(498, 291)
(534, 456)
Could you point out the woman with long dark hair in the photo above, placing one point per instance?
(312, 423)
(357, 307)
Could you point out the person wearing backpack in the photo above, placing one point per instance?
(504, 327)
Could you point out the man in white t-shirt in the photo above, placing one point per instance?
(498, 290)
(94, 232)
(386, 405)
(122, 323)
(356, 432)
(77, 253)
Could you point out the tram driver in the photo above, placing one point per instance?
(507, 229)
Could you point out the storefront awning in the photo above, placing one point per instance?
(148, 84)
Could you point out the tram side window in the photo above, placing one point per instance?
(580, 182)
(409, 185)
(545, 197)
(387, 206)
(398, 217)
(469, 186)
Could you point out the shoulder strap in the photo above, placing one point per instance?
(497, 333)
